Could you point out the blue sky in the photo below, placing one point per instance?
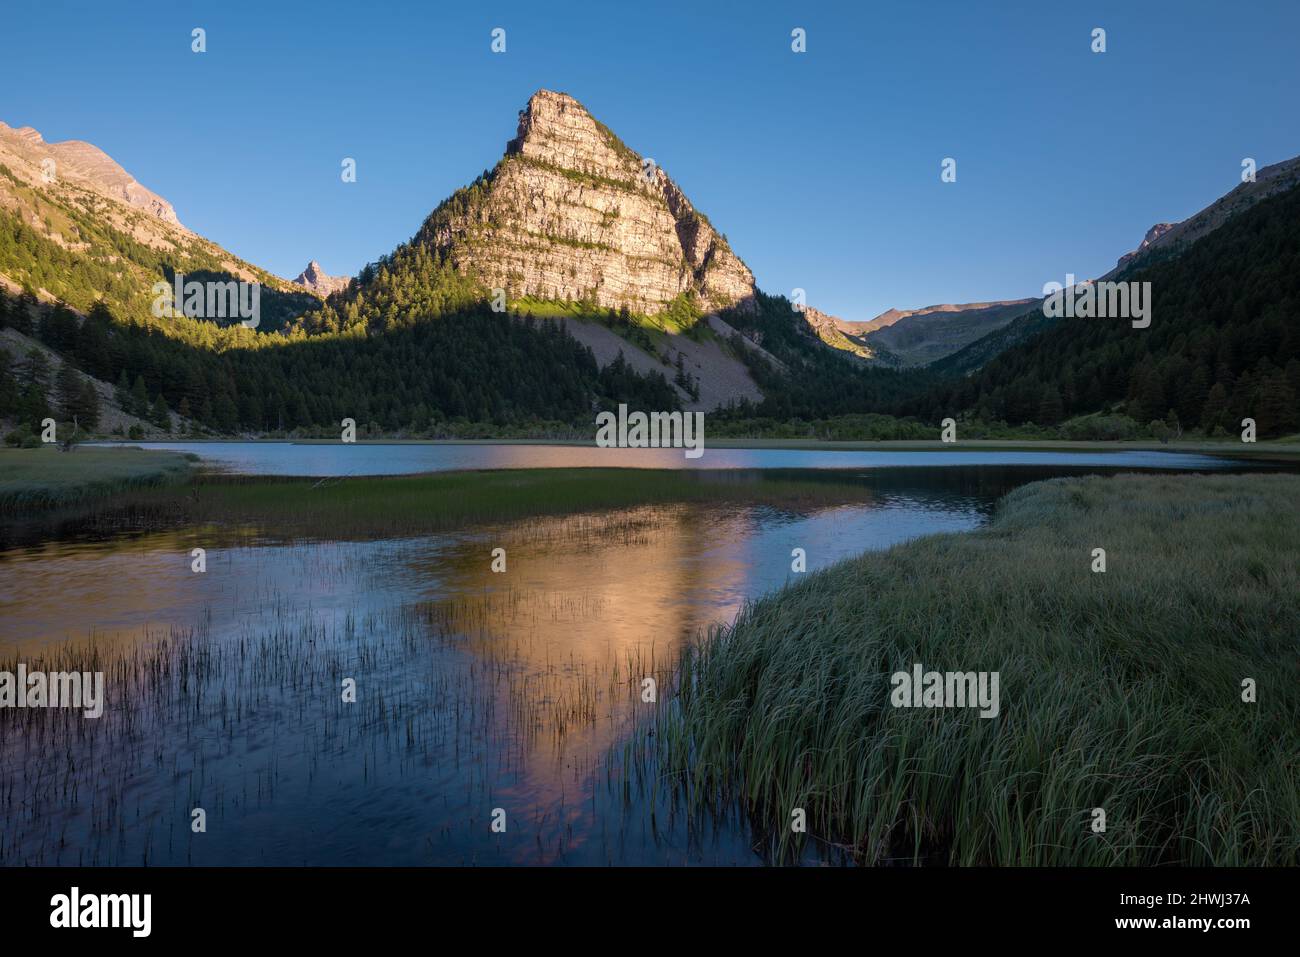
(822, 168)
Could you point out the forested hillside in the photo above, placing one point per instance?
(473, 365)
(79, 257)
(817, 381)
(1223, 344)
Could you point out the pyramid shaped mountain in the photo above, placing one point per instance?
(572, 214)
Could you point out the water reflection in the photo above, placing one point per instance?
(475, 690)
(321, 459)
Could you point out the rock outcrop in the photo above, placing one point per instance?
(1268, 181)
(836, 332)
(570, 213)
(82, 164)
(314, 279)
(1153, 234)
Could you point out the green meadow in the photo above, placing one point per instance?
(409, 504)
(49, 478)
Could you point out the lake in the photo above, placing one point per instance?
(477, 694)
(338, 458)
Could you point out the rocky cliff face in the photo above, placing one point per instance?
(1153, 234)
(1269, 181)
(76, 196)
(315, 279)
(571, 213)
(836, 333)
(79, 163)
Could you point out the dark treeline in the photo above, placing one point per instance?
(818, 381)
(1223, 343)
(473, 366)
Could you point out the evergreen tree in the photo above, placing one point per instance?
(35, 369)
(1051, 410)
(21, 313)
(67, 392)
(122, 392)
(88, 406)
(1216, 409)
(139, 405)
(159, 415)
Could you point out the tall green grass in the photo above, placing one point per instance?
(1120, 691)
(48, 478)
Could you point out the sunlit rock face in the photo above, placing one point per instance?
(571, 213)
(83, 164)
(315, 279)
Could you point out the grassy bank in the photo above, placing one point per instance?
(43, 478)
(411, 504)
(1120, 691)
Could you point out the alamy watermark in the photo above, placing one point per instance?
(655, 430)
(946, 689)
(128, 911)
(55, 689)
(208, 300)
(1098, 300)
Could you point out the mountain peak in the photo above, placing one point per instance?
(556, 128)
(573, 214)
(315, 279)
(27, 154)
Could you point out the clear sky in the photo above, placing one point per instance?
(823, 168)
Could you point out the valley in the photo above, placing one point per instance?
(437, 437)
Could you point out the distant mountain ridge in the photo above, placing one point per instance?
(913, 337)
(81, 163)
(84, 229)
(315, 279)
(1222, 346)
(1162, 238)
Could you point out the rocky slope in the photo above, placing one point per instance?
(918, 337)
(1167, 238)
(1153, 234)
(79, 228)
(572, 214)
(839, 333)
(1162, 241)
(314, 279)
(82, 164)
(913, 337)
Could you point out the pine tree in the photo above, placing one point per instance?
(159, 415)
(21, 314)
(1051, 410)
(88, 406)
(36, 369)
(67, 392)
(139, 399)
(1216, 408)
(122, 392)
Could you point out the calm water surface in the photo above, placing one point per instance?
(475, 690)
(291, 458)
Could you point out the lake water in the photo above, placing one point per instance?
(475, 691)
(321, 459)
